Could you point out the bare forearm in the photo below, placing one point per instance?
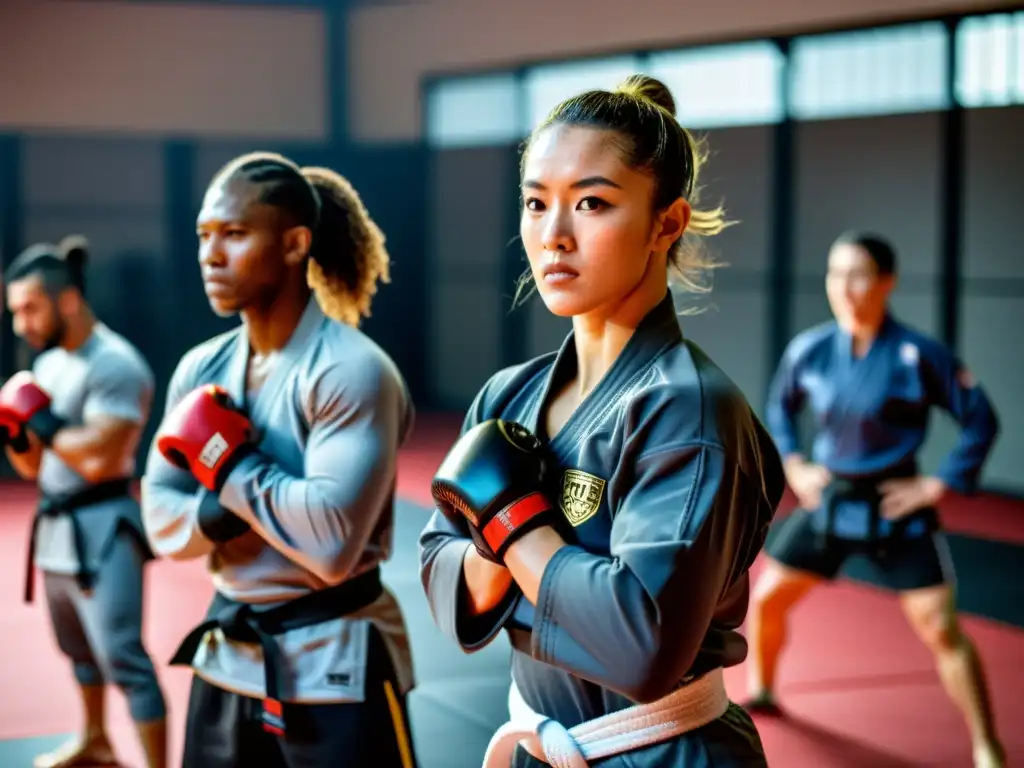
(527, 558)
(486, 583)
(89, 450)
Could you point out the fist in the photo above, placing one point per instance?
(17, 441)
(25, 405)
(808, 481)
(205, 434)
(491, 478)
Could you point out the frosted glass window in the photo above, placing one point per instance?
(990, 60)
(724, 85)
(880, 71)
(549, 85)
(473, 111)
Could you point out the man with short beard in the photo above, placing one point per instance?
(73, 424)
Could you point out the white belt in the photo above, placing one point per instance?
(691, 707)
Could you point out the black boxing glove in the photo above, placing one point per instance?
(492, 478)
(217, 523)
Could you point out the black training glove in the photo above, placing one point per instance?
(218, 523)
(491, 478)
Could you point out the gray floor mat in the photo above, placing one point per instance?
(461, 698)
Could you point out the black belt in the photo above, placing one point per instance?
(57, 505)
(246, 623)
(864, 489)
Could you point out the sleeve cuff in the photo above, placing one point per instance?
(445, 585)
(544, 626)
(233, 494)
(476, 632)
(177, 539)
(958, 482)
(447, 591)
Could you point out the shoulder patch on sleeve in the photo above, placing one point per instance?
(581, 495)
(909, 353)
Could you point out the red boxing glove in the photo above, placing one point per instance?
(23, 403)
(206, 434)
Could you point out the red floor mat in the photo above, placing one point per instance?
(861, 690)
(859, 687)
(36, 680)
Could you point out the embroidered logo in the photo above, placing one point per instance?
(581, 496)
(909, 353)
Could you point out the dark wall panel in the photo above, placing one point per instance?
(732, 324)
(10, 241)
(390, 181)
(734, 334)
(879, 173)
(992, 289)
(993, 184)
(471, 194)
(111, 190)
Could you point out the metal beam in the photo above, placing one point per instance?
(951, 213)
(782, 215)
(12, 222)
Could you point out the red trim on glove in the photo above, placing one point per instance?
(512, 517)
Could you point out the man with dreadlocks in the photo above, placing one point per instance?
(276, 459)
(72, 424)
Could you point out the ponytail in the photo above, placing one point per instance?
(348, 257)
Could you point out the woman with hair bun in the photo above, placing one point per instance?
(605, 502)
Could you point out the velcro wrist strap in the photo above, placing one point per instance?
(45, 424)
(502, 528)
(218, 524)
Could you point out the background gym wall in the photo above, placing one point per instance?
(379, 90)
(895, 128)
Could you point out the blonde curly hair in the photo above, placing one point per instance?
(348, 257)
